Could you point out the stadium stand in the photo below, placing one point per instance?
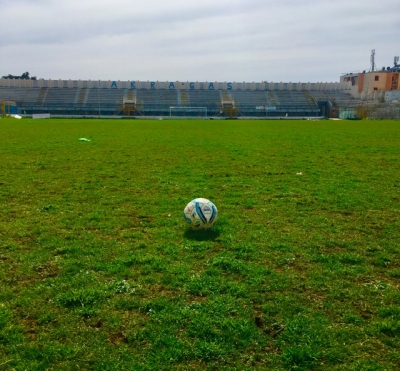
(86, 98)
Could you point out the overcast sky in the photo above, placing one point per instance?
(197, 40)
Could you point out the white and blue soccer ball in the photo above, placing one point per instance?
(200, 213)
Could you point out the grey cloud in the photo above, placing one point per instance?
(181, 39)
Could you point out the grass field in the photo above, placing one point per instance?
(99, 272)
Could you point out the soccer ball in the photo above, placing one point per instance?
(200, 213)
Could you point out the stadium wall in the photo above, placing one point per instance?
(393, 95)
(174, 85)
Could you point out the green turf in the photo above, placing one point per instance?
(99, 272)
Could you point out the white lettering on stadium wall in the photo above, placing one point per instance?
(171, 85)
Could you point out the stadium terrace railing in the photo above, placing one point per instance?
(174, 85)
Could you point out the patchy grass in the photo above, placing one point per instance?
(98, 271)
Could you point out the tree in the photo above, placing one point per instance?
(24, 76)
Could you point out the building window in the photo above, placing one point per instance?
(376, 78)
(375, 88)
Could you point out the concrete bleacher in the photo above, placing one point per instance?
(56, 96)
(295, 99)
(101, 101)
(337, 97)
(104, 96)
(163, 98)
(19, 95)
(255, 103)
(204, 98)
(250, 98)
